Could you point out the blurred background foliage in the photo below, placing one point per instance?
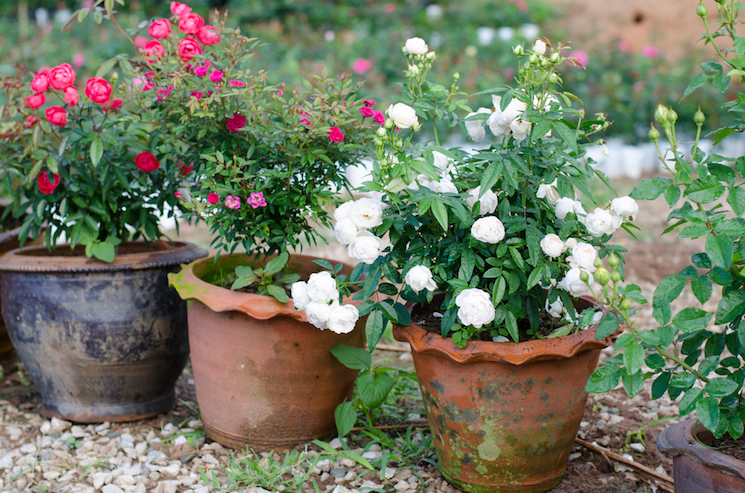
(307, 37)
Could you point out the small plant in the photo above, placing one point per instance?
(22, 375)
(291, 473)
(264, 278)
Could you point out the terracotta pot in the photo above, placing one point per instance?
(697, 468)
(102, 342)
(503, 415)
(264, 376)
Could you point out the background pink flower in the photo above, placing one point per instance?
(361, 65)
(581, 56)
(379, 117)
(232, 202)
(256, 200)
(650, 51)
(236, 123)
(216, 76)
(78, 60)
(200, 71)
(213, 198)
(335, 134)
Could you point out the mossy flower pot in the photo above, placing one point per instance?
(503, 415)
(101, 341)
(265, 378)
(696, 467)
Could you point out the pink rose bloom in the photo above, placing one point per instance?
(36, 101)
(623, 46)
(153, 50)
(197, 94)
(361, 65)
(335, 134)
(390, 8)
(280, 92)
(177, 194)
(45, 186)
(186, 170)
(179, 9)
(236, 83)
(160, 29)
(112, 105)
(256, 200)
(78, 60)
(236, 123)
(148, 85)
(61, 77)
(216, 76)
(147, 162)
(71, 96)
(369, 102)
(581, 57)
(367, 112)
(40, 82)
(56, 115)
(98, 90)
(188, 49)
(213, 198)
(140, 41)
(163, 94)
(650, 51)
(305, 121)
(208, 35)
(30, 120)
(379, 117)
(200, 71)
(150, 74)
(232, 202)
(190, 23)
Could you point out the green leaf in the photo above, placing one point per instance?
(324, 264)
(511, 323)
(345, 418)
(352, 357)
(688, 402)
(441, 213)
(648, 189)
(243, 281)
(697, 82)
(96, 151)
(659, 386)
(704, 190)
(278, 292)
(500, 286)
(720, 387)
(389, 312)
(731, 306)
(491, 175)
(668, 289)
(608, 325)
(702, 288)
(708, 412)
(735, 427)
(517, 258)
(604, 379)
(632, 384)
(691, 320)
(719, 249)
(373, 389)
(535, 277)
(566, 134)
(106, 66)
(633, 357)
(103, 251)
(374, 328)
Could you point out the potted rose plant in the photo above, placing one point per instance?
(264, 164)
(495, 252)
(93, 320)
(696, 354)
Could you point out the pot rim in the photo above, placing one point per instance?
(565, 347)
(679, 439)
(219, 299)
(40, 259)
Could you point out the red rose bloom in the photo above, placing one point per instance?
(160, 28)
(71, 96)
(98, 90)
(112, 105)
(236, 123)
(152, 50)
(213, 198)
(189, 48)
(61, 76)
(190, 23)
(367, 112)
(208, 35)
(45, 186)
(57, 115)
(36, 101)
(40, 82)
(335, 134)
(179, 9)
(186, 170)
(146, 162)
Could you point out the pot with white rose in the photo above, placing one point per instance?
(263, 374)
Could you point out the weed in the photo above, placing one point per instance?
(288, 474)
(22, 375)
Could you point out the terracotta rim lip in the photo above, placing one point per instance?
(679, 439)
(20, 260)
(218, 299)
(565, 347)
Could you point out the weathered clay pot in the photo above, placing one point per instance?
(102, 342)
(503, 415)
(697, 468)
(264, 376)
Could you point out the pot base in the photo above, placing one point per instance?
(237, 441)
(101, 413)
(537, 487)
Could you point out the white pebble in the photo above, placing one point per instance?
(637, 446)
(111, 488)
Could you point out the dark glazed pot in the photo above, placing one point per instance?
(264, 376)
(102, 342)
(503, 415)
(697, 468)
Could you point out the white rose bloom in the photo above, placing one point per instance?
(475, 128)
(475, 307)
(520, 129)
(487, 203)
(342, 212)
(319, 314)
(564, 206)
(555, 309)
(573, 283)
(416, 46)
(443, 186)
(420, 277)
(300, 295)
(599, 222)
(441, 162)
(378, 197)
(499, 130)
(322, 287)
(513, 110)
(539, 48)
(548, 192)
(552, 245)
(403, 115)
(366, 213)
(366, 247)
(345, 231)
(488, 229)
(571, 243)
(583, 257)
(624, 207)
(342, 319)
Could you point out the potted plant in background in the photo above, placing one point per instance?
(495, 252)
(687, 357)
(94, 321)
(264, 164)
